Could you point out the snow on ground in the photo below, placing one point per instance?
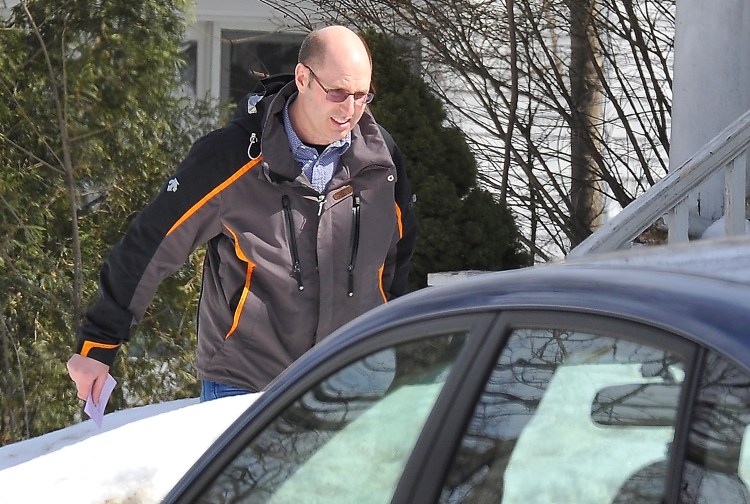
(137, 456)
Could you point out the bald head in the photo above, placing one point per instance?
(336, 45)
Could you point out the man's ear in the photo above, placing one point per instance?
(301, 76)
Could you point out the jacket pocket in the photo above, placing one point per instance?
(353, 243)
(296, 272)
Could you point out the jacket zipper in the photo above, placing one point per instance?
(321, 202)
(294, 253)
(354, 245)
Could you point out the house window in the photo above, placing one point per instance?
(248, 56)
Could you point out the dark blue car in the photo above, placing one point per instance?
(572, 383)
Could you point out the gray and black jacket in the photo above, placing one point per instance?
(284, 266)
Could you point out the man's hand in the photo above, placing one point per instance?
(89, 376)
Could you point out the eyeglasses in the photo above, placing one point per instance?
(339, 95)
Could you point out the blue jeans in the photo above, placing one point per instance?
(212, 390)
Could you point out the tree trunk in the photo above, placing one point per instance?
(586, 112)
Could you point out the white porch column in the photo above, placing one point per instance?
(711, 86)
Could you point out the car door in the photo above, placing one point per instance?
(344, 431)
(563, 408)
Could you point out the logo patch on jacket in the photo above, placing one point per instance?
(172, 185)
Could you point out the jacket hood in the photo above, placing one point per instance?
(265, 87)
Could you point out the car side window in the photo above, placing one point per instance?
(348, 437)
(568, 416)
(717, 466)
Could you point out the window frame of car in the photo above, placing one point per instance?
(425, 472)
(331, 357)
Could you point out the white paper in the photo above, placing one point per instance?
(97, 412)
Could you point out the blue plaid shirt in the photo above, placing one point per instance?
(319, 168)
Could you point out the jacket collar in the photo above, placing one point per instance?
(368, 147)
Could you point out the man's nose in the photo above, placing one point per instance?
(349, 104)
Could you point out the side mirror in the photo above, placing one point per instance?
(637, 405)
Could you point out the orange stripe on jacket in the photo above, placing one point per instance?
(380, 283)
(89, 345)
(399, 221)
(245, 289)
(400, 235)
(213, 193)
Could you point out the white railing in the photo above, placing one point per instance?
(669, 197)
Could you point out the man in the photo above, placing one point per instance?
(306, 214)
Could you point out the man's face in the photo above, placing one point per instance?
(331, 99)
